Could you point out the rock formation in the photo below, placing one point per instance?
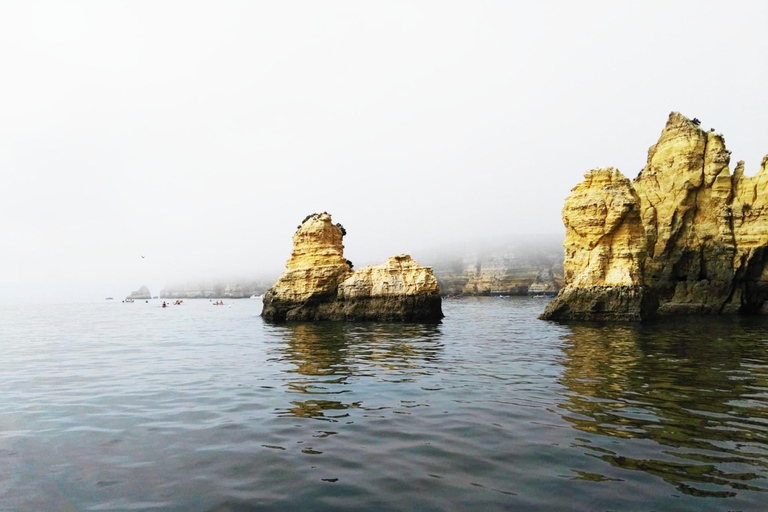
(140, 294)
(684, 237)
(319, 284)
(500, 274)
(508, 265)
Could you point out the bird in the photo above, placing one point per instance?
(142, 256)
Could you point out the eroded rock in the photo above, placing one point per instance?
(319, 283)
(684, 237)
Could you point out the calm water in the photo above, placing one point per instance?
(115, 406)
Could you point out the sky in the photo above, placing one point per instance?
(199, 134)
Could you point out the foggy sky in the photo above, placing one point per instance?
(199, 134)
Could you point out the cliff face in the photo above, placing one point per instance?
(319, 284)
(499, 274)
(507, 267)
(685, 237)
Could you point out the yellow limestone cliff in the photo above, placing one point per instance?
(685, 236)
(319, 284)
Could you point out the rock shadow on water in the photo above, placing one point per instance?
(690, 395)
(327, 360)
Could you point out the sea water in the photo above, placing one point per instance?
(112, 406)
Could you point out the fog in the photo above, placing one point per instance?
(147, 142)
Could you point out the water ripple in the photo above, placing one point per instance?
(132, 407)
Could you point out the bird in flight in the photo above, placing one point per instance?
(142, 256)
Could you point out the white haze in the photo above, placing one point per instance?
(199, 134)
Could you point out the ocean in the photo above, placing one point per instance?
(113, 406)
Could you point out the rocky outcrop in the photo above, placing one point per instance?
(319, 283)
(684, 237)
(140, 294)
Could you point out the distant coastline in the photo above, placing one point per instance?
(508, 267)
(213, 289)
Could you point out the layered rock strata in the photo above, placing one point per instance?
(685, 237)
(504, 274)
(509, 267)
(319, 283)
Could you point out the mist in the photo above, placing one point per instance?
(146, 143)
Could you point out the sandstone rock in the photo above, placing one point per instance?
(545, 284)
(140, 294)
(684, 237)
(319, 284)
(497, 274)
(502, 266)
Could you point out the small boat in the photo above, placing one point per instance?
(109, 298)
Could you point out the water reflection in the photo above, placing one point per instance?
(327, 358)
(689, 398)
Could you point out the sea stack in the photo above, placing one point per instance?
(684, 237)
(319, 283)
(140, 294)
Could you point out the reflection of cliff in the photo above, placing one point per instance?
(692, 396)
(326, 355)
(507, 267)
